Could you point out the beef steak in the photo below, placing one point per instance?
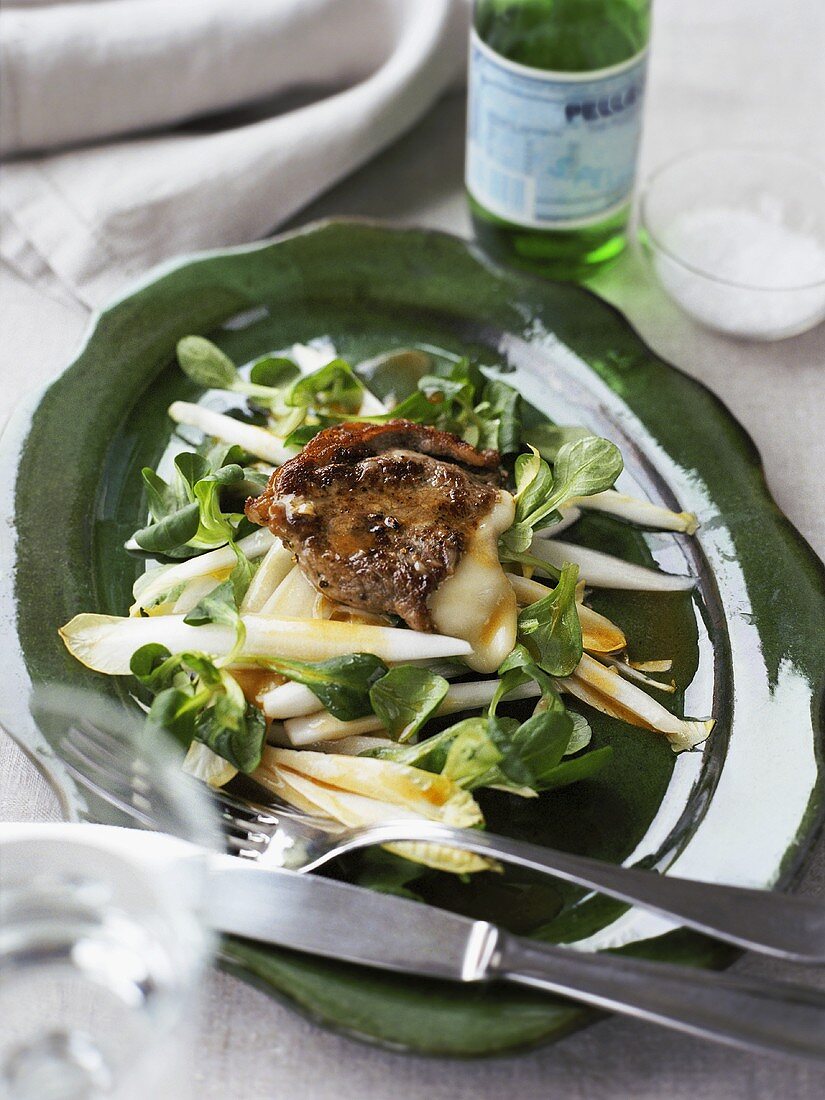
(378, 515)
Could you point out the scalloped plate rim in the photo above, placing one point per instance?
(15, 431)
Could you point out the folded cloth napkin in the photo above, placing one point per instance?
(137, 129)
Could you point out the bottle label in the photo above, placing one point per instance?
(552, 150)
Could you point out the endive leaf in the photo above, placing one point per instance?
(607, 691)
(106, 643)
(604, 571)
(422, 793)
(352, 808)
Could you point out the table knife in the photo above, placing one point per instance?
(352, 924)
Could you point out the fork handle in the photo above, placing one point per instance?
(755, 1014)
(786, 926)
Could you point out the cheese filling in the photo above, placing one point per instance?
(477, 602)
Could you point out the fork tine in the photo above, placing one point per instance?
(96, 758)
(247, 810)
(103, 748)
(83, 736)
(240, 848)
(101, 742)
(274, 806)
(91, 767)
(248, 825)
(120, 784)
(242, 833)
(89, 755)
(102, 792)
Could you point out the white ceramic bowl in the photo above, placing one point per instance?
(737, 238)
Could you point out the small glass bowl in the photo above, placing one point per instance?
(737, 239)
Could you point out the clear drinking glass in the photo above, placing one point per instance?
(102, 942)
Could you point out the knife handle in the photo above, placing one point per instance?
(784, 925)
(752, 1013)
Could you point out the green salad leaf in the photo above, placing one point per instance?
(582, 733)
(202, 506)
(333, 388)
(452, 395)
(405, 698)
(312, 402)
(550, 628)
(156, 668)
(456, 390)
(220, 606)
(163, 499)
(531, 750)
(233, 728)
(583, 467)
(519, 668)
(417, 407)
(494, 751)
(456, 397)
(197, 700)
(242, 573)
(342, 684)
(577, 768)
(206, 364)
(470, 755)
(501, 752)
(171, 534)
(500, 411)
(273, 372)
(216, 527)
(549, 438)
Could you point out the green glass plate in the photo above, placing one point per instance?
(747, 645)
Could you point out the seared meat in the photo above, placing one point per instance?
(379, 515)
(352, 442)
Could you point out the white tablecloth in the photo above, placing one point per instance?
(741, 71)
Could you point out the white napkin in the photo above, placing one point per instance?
(196, 123)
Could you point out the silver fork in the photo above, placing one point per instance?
(277, 835)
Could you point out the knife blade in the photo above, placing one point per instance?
(348, 923)
(352, 924)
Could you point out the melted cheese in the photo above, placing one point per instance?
(477, 602)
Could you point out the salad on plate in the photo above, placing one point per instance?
(345, 596)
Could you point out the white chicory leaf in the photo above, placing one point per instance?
(604, 571)
(106, 643)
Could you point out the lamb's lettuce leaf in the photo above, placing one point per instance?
(333, 388)
(196, 700)
(342, 684)
(208, 366)
(550, 628)
(582, 467)
(274, 372)
(549, 438)
(201, 507)
(500, 414)
(500, 752)
(405, 698)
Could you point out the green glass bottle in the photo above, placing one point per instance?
(553, 129)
